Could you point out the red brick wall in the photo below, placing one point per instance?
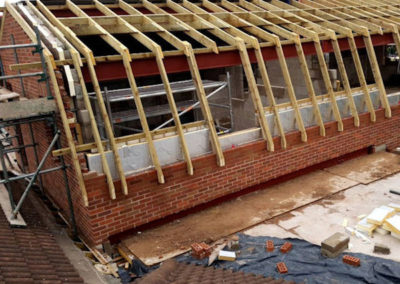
(53, 182)
(246, 166)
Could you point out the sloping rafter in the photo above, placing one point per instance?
(246, 27)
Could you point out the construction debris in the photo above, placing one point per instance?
(334, 245)
(380, 214)
(395, 206)
(270, 246)
(364, 226)
(227, 255)
(351, 260)
(201, 250)
(282, 268)
(233, 243)
(384, 220)
(286, 247)
(381, 248)
(393, 224)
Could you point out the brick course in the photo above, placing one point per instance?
(147, 201)
(246, 166)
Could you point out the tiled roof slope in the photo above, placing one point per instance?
(32, 255)
(175, 272)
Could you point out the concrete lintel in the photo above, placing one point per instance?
(26, 108)
(135, 157)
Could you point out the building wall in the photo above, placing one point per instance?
(246, 166)
(43, 133)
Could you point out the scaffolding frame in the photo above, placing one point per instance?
(7, 180)
(118, 95)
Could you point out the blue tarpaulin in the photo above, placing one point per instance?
(305, 263)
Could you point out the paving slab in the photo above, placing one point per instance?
(369, 168)
(243, 213)
(158, 244)
(316, 222)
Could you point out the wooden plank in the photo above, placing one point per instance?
(295, 38)
(310, 87)
(188, 51)
(328, 84)
(361, 77)
(240, 43)
(345, 80)
(270, 96)
(292, 96)
(57, 95)
(76, 63)
(158, 53)
(353, 49)
(377, 75)
(115, 44)
(3, 20)
(128, 138)
(371, 55)
(201, 95)
(254, 93)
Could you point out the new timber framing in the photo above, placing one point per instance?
(254, 31)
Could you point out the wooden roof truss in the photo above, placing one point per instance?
(245, 26)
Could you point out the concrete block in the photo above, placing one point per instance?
(83, 117)
(381, 248)
(279, 92)
(335, 254)
(334, 245)
(380, 148)
(333, 74)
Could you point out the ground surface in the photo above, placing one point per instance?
(319, 220)
(323, 189)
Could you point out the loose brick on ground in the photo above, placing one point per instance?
(270, 246)
(351, 260)
(282, 268)
(286, 247)
(381, 248)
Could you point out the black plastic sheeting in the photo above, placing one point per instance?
(305, 263)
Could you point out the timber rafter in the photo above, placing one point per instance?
(249, 29)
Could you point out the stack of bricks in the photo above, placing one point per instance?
(201, 250)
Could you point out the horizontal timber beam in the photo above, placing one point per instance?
(176, 64)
